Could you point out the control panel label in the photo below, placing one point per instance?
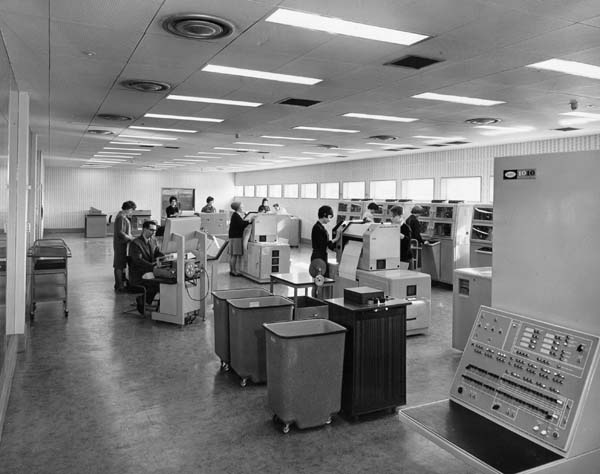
(519, 174)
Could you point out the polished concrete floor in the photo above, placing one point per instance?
(107, 392)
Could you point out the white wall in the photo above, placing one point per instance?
(70, 192)
(435, 164)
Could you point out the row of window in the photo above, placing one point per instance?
(465, 189)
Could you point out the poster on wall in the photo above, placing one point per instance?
(186, 197)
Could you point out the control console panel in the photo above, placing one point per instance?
(529, 376)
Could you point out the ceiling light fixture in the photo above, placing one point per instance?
(320, 129)
(190, 160)
(142, 85)
(138, 143)
(124, 149)
(343, 27)
(215, 153)
(97, 131)
(428, 137)
(355, 150)
(457, 99)
(148, 137)
(586, 115)
(159, 129)
(258, 144)
(388, 118)
(234, 71)
(207, 157)
(234, 149)
(208, 100)
(117, 153)
(483, 121)
(568, 67)
(496, 130)
(288, 138)
(197, 26)
(114, 157)
(184, 117)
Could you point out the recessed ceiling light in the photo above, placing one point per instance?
(354, 150)
(288, 138)
(159, 129)
(95, 166)
(457, 99)
(147, 137)
(258, 144)
(114, 157)
(343, 27)
(190, 160)
(117, 153)
(206, 157)
(319, 129)
(234, 149)
(389, 144)
(496, 130)
(319, 154)
(234, 71)
(114, 162)
(184, 117)
(389, 118)
(208, 100)
(569, 67)
(143, 85)
(298, 157)
(482, 121)
(124, 149)
(586, 115)
(428, 137)
(138, 143)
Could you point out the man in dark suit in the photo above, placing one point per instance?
(143, 252)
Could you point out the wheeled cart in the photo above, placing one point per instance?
(49, 273)
(221, 318)
(305, 362)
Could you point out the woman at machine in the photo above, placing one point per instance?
(173, 209)
(321, 242)
(236, 235)
(405, 234)
(368, 214)
(264, 207)
(209, 205)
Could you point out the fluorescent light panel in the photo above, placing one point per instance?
(258, 144)
(343, 27)
(184, 117)
(496, 130)
(354, 150)
(457, 99)
(586, 115)
(288, 138)
(147, 137)
(190, 160)
(298, 157)
(124, 149)
(568, 67)
(117, 153)
(319, 129)
(388, 118)
(234, 71)
(389, 144)
(235, 149)
(138, 143)
(428, 137)
(208, 100)
(159, 129)
(215, 153)
(114, 157)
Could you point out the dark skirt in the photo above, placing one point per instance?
(235, 246)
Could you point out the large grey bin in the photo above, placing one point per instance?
(221, 318)
(305, 362)
(247, 335)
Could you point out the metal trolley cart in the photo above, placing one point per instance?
(49, 279)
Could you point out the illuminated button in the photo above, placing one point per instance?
(543, 432)
(536, 428)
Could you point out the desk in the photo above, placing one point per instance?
(95, 225)
(297, 280)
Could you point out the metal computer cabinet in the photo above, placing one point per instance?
(404, 284)
(482, 231)
(472, 288)
(264, 259)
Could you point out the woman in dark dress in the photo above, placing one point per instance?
(320, 236)
(173, 209)
(405, 233)
(236, 234)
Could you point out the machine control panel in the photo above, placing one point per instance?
(529, 376)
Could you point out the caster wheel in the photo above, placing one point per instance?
(286, 428)
(329, 420)
(243, 382)
(226, 367)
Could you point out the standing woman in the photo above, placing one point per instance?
(121, 238)
(405, 233)
(320, 236)
(236, 234)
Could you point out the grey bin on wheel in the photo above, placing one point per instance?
(311, 308)
(305, 362)
(247, 335)
(221, 318)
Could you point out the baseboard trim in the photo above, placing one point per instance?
(72, 230)
(6, 376)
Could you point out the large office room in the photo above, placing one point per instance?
(283, 236)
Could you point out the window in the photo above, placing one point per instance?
(249, 191)
(238, 190)
(463, 189)
(275, 190)
(330, 190)
(383, 189)
(417, 189)
(308, 190)
(290, 190)
(353, 190)
(261, 190)
(491, 189)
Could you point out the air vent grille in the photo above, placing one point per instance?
(383, 138)
(299, 102)
(172, 147)
(141, 85)
(413, 62)
(483, 120)
(457, 142)
(114, 117)
(566, 129)
(198, 27)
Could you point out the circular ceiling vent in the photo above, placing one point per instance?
(197, 26)
(384, 138)
(328, 147)
(114, 117)
(483, 121)
(145, 86)
(97, 131)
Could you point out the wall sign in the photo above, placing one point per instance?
(519, 174)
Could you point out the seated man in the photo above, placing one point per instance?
(143, 252)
